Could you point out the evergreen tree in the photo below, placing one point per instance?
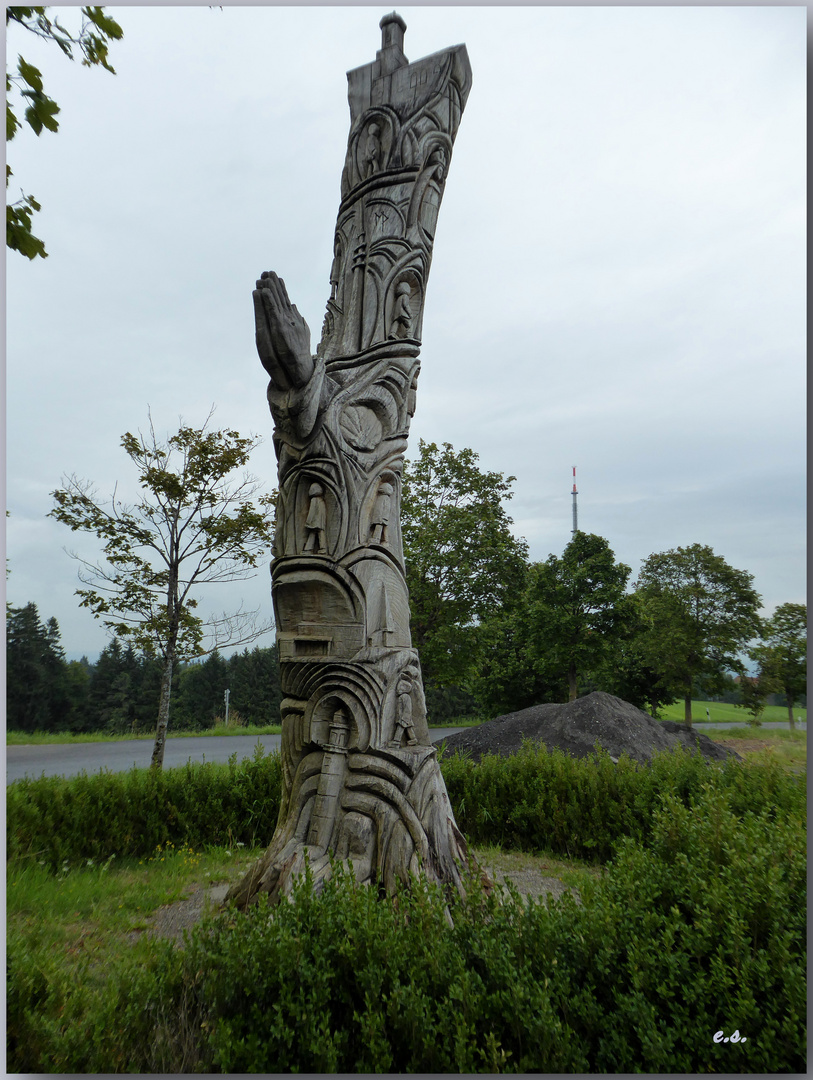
(77, 683)
(38, 696)
(109, 687)
(201, 691)
(254, 683)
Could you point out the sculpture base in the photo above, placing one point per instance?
(385, 812)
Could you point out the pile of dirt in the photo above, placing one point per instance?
(576, 728)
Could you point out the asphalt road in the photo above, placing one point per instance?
(64, 760)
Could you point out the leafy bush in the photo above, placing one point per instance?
(540, 800)
(700, 930)
(703, 929)
(535, 800)
(131, 813)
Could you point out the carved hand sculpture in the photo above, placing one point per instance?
(283, 336)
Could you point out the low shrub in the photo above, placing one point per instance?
(701, 930)
(58, 820)
(540, 800)
(535, 800)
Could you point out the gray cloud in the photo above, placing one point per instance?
(618, 279)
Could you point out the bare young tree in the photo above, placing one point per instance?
(195, 524)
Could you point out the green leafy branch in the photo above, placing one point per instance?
(97, 29)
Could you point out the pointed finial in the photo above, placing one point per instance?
(393, 29)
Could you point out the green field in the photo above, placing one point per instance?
(721, 712)
(718, 711)
(42, 738)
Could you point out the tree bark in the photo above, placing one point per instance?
(572, 682)
(687, 709)
(157, 761)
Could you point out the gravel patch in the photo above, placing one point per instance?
(579, 726)
(171, 920)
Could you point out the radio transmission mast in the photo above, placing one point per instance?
(575, 528)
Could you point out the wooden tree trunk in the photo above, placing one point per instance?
(572, 682)
(361, 780)
(687, 709)
(157, 760)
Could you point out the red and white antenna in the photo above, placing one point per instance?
(575, 528)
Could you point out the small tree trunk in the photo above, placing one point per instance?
(157, 761)
(790, 713)
(687, 709)
(573, 686)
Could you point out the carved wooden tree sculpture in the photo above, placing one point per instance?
(361, 781)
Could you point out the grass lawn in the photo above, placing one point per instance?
(42, 738)
(789, 748)
(84, 917)
(80, 921)
(721, 712)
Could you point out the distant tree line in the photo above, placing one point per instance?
(118, 693)
(498, 633)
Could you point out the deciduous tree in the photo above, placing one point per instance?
(194, 525)
(782, 654)
(462, 560)
(701, 613)
(97, 29)
(562, 630)
(753, 695)
(628, 671)
(573, 607)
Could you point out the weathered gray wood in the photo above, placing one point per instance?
(361, 781)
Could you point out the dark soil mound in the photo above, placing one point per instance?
(576, 728)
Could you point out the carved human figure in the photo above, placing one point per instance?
(379, 523)
(335, 269)
(412, 396)
(401, 312)
(316, 521)
(404, 712)
(372, 151)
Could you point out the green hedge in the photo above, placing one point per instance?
(534, 800)
(57, 820)
(699, 931)
(538, 800)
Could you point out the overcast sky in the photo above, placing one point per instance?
(618, 279)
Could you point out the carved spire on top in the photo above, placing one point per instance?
(391, 54)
